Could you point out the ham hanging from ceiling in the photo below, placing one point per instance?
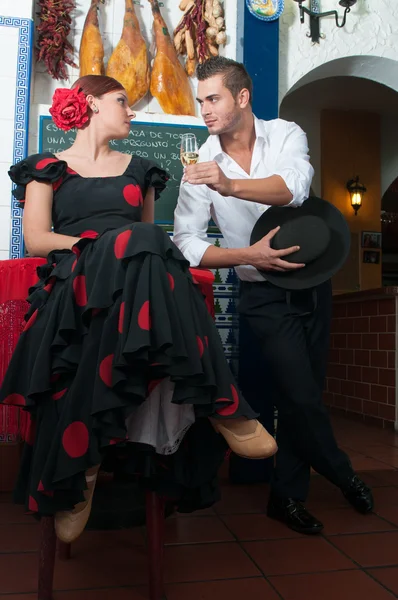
(169, 81)
(128, 63)
(91, 55)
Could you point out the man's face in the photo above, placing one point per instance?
(220, 111)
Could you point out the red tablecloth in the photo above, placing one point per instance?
(16, 277)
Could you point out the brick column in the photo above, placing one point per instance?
(362, 365)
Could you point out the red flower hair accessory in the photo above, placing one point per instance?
(69, 108)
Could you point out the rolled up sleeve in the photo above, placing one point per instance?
(293, 165)
(191, 220)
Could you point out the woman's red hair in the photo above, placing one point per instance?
(97, 85)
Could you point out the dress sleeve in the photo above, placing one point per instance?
(37, 167)
(149, 175)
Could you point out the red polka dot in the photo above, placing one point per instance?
(121, 243)
(43, 491)
(152, 385)
(45, 161)
(232, 408)
(207, 341)
(105, 370)
(89, 234)
(55, 377)
(74, 265)
(31, 320)
(235, 395)
(15, 400)
(57, 184)
(144, 317)
(121, 317)
(50, 285)
(76, 251)
(59, 394)
(75, 439)
(71, 171)
(171, 281)
(200, 346)
(133, 195)
(79, 287)
(32, 504)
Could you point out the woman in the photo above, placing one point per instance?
(119, 357)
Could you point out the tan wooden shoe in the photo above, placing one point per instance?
(70, 524)
(256, 445)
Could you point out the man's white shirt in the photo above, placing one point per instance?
(281, 148)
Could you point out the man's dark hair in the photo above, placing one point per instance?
(234, 75)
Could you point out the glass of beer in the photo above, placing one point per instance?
(189, 149)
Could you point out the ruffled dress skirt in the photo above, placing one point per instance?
(120, 362)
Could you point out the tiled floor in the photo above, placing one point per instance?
(235, 552)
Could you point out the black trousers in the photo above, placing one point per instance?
(294, 331)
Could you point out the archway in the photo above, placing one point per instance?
(351, 87)
(362, 83)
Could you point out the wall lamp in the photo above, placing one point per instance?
(315, 15)
(356, 190)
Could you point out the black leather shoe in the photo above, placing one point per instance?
(358, 495)
(294, 515)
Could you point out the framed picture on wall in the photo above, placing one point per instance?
(371, 239)
(371, 257)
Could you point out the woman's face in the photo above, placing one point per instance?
(114, 114)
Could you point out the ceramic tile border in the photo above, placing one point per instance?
(21, 117)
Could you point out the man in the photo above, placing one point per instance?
(246, 166)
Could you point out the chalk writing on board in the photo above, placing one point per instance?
(154, 141)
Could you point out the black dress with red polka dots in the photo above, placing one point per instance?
(108, 321)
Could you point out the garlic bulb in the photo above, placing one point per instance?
(217, 10)
(211, 32)
(220, 22)
(221, 38)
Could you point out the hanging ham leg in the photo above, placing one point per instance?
(128, 63)
(91, 47)
(169, 81)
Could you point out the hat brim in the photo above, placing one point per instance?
(321, 269)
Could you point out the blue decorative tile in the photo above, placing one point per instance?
(226, 292)
(21, 118)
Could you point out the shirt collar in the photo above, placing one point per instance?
(261, 134)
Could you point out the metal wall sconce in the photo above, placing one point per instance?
(357, 191)
(315, 16)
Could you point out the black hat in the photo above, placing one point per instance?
(319, 229)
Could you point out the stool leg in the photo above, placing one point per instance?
(63, 550)
(47, 547)
(155, 530)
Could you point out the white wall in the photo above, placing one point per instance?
(371, 29)
(16, 8)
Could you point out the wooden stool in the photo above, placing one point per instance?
(155, 537)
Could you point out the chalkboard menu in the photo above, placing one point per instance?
(154, 141)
